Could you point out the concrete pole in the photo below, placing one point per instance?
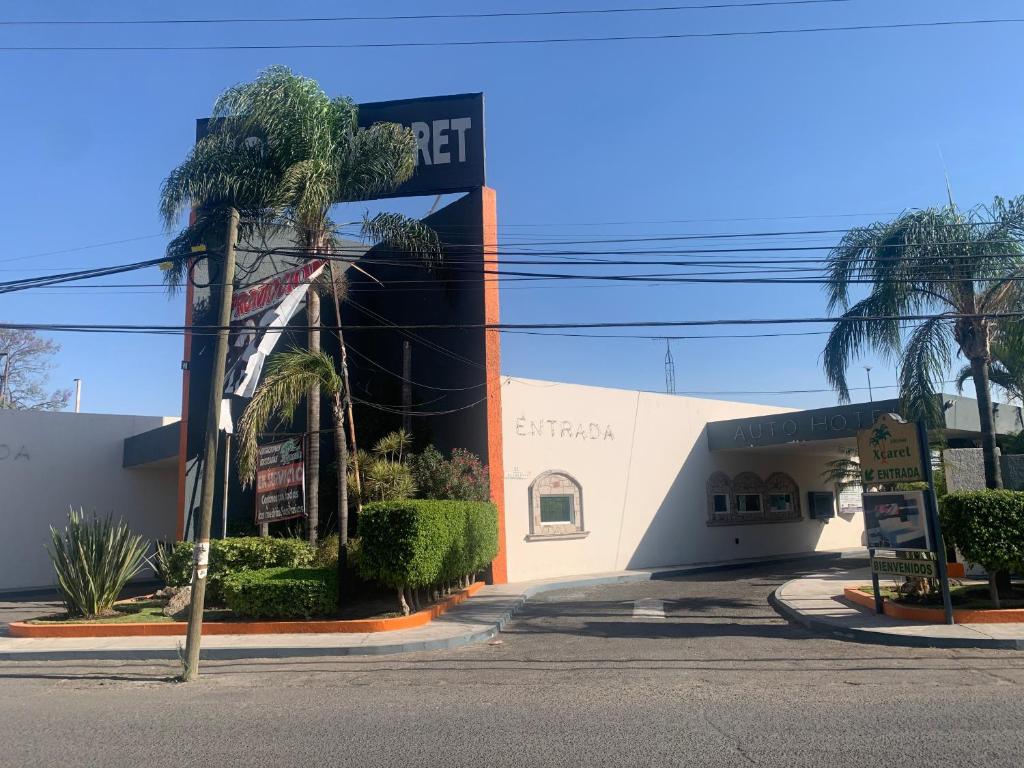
(201, 555)
(78, 395)
(406, 387)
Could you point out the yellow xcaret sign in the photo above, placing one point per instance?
(889, 451)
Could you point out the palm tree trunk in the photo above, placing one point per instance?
(348, 397)
(341, 459)
(216, 394)
(979, 372)
(313, 423)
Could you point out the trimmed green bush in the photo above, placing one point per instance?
(235, 555)
(426, 542)
(987, 527)
(281, 593)
(463, 476)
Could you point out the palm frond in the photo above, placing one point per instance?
(926, 359)
(289, 377)
(405, 234)
(378, 160)
(850, 338)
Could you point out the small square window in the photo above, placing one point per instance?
(748, 502)
(557, 510)
(780, 502)
(721, 502)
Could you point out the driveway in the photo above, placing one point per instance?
(691, 671)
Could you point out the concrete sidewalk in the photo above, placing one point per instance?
(476, 620)
(817, 603)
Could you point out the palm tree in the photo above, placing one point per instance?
(1007, 368)
(232, 187)
(289, 379)
(330, 160)
(962, 268)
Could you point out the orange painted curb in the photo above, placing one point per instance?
(165, 629)
(936, 615)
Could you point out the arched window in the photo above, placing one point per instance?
(781, 497)
(747, 496)
(719, 497)
(556, 506)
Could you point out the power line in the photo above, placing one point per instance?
(412, 17)
(502, 327)
(507, 42)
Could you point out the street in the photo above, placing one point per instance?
(694, 671)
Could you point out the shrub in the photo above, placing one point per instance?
(236, 555)
(987, 527)
(462, 477)
(94, 559)
(282, 593)
(327, 554)
(426, 542)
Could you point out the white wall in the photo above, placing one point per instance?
(50, 461)
(643, 463)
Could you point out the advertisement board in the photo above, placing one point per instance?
(896, 520)
(280, 482)
(449, 134)
(259, 314)
(890, 451)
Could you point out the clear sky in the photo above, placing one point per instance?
(756, 134)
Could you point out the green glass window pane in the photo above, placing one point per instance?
(748, 502)
(556, 509)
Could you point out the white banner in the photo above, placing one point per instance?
(256, 334)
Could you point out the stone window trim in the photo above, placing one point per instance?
(744, 485)
(555, 482)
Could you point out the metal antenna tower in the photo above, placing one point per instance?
(670, 369)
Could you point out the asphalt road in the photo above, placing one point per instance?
(582, 678)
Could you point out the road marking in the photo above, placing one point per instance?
(648, 608)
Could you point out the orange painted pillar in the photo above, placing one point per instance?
(492, 359)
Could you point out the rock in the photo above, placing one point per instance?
(177, 606)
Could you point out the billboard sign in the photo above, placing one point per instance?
(890, 452)
(280, 482)
(449, 134)
(896, 520)
(259, 314)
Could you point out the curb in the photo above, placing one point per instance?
(27, 629)
(489, 631)
(936, 615)
(872, 637)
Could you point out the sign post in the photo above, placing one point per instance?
(933, 512)
(894, 451)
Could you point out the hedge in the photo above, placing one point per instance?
(235, 555)
(987, 527)
(281, 593)
(426, 542)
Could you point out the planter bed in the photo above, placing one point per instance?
(169, 627)
(930, 615)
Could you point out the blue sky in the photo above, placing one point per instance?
(828, 128)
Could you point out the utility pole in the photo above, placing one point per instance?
(78, 395)
(3, 381)
(406, 387)
(871, 394)
(226, 488)
(670, 369)
(201, 554)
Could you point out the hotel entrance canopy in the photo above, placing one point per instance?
(839, 424)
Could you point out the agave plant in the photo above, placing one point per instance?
(94, 559)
